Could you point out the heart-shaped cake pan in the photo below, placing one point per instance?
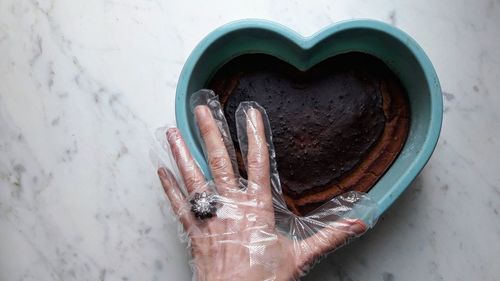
(392, 46)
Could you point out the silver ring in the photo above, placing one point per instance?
(203, 205)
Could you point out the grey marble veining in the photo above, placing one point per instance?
(84, 84)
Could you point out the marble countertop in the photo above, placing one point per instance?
(84, 84)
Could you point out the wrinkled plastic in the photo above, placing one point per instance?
(248, 232)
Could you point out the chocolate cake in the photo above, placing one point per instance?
(336, 127)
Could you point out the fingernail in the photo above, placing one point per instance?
(162, 172)
(252, 115)
(252, 112)
(357, 227)
(201, 112)
(165, 174)
(171, 132)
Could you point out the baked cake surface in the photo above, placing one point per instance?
(336, 127)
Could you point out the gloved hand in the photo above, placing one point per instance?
(241, 229)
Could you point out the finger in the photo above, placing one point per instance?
(190, 172)
(258, 154)
(211, 100)
(262, 129)
(259, 182)
(326, 240)
(257, 163)
(254, 147)
(175, 196)
(218, 158)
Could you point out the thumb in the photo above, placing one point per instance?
(325, 240)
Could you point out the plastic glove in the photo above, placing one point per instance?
(248, 233)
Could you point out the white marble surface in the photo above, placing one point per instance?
(84, 83)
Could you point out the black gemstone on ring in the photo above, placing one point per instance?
(203, 205)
